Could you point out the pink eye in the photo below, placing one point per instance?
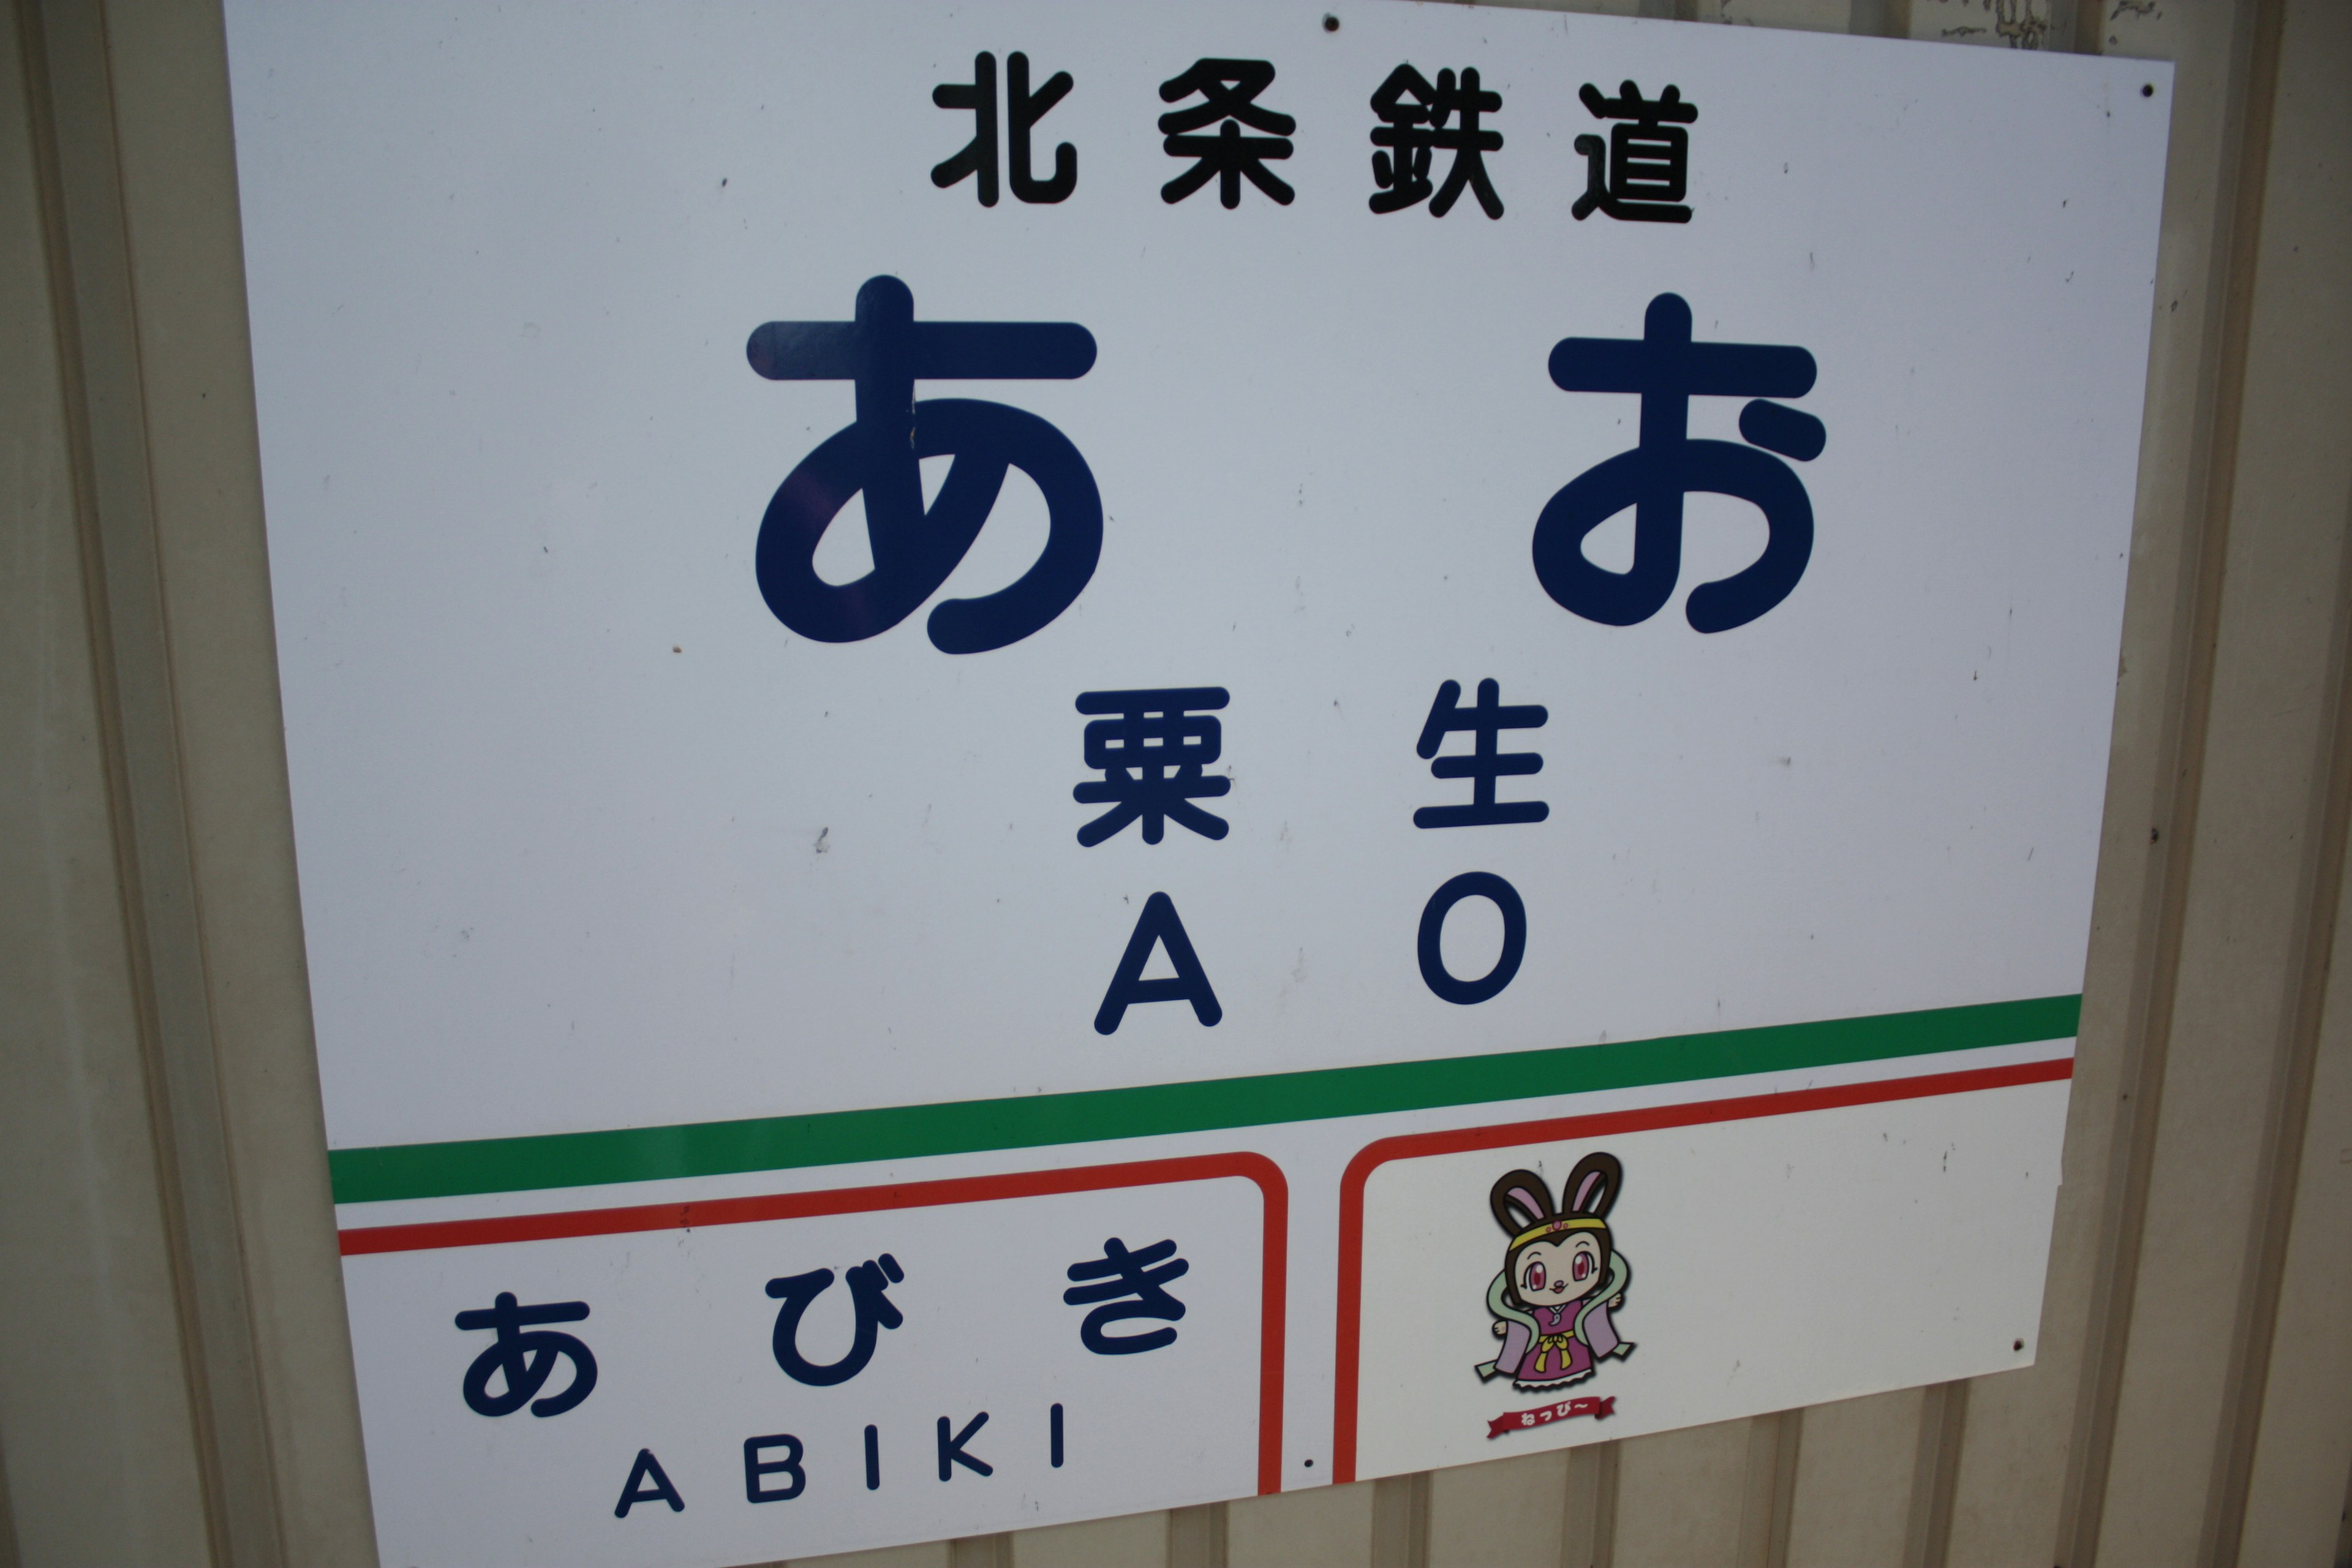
(1535, 1276)
(1583, 1265)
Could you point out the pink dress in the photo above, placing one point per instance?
(1557, 1355)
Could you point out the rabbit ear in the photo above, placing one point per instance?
(1591, 1188)
(1520, 1202)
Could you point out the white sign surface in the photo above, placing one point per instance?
(885, 596)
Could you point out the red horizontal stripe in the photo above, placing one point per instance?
(702, 1212)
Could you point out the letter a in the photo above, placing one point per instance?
(647, 1484)
(1158, 927)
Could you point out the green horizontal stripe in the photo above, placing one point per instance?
(963, 1127)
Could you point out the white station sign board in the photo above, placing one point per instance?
(1053, 759)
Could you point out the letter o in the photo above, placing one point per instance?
(1506, 898)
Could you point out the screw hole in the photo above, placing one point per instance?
(1331, 24)
(2017, 1344)
(2147, 89)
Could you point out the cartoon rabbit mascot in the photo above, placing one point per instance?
(1560, 1279)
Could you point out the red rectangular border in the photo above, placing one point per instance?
(1271, 1188)
(1419, 1145)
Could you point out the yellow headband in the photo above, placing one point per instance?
(1550, 1226)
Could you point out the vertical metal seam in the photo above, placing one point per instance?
(2090, 40)
(2343, 1558)
(1936, 1475)
(146, 802)
(1784, 1488)
(2278, 1167)
(10, 1552)
(1588, 1522)
(1605, 1504)
(1774, 1444)
(1756, 1486)
(2181, 755)
(1578, 1507)
(1197, 1536)
(2063, 21)
(66, 312)
(225, 1312)
(978, 1552)
(11, 1555)
(1401, 1522)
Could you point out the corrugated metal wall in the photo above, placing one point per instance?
(174, 1379)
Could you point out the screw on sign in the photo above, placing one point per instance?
(883, 351)
(1667, 369)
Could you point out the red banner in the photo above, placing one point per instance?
(1515, 1420)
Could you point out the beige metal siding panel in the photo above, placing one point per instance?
(1132, 1540)
(2031, 1435)
(1853, 1483)
(2280, 1481)
(1935, 1475)
(2005, 1495)
(1995, 23)
(1401, 1522)
(931, 1554)
(2201, 1195)
(70, 70)
(1197, 1536)
(1505, 1511)
(1800, 15)
(1325, 1527)
(93, 1390)
(169, 64)
(2240, 950)
(981, 1551)
(1680, 1495)
(1588, 1537)
(1768, 1490)
(2304, 1452)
